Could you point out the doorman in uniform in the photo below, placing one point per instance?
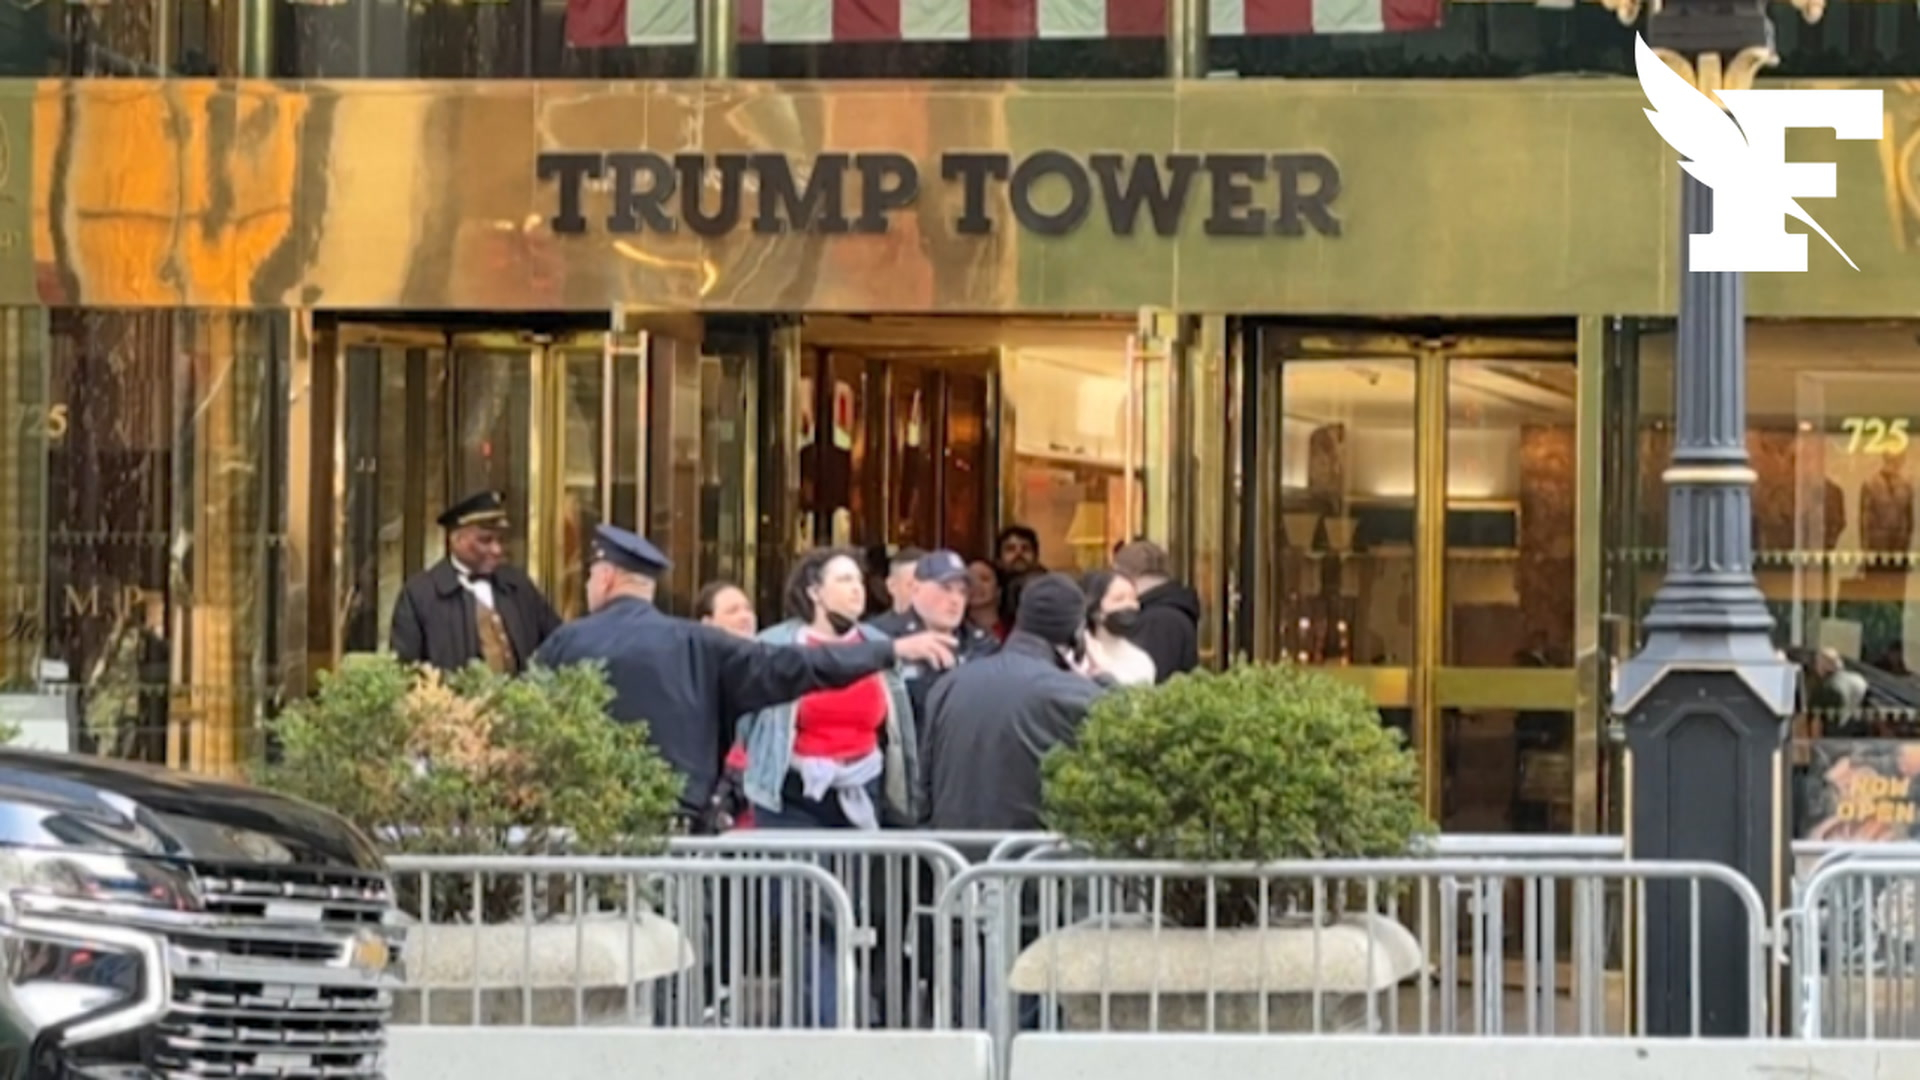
(690, 682)
(471, 605)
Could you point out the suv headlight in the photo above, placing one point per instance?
(64, 964)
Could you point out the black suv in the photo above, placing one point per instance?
(159, 926)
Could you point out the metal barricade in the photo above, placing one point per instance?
(1015, 847)
(1855, 944)
(1394, 947)
(894, 880)
(668, 941)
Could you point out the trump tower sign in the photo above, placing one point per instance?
(1046, 192)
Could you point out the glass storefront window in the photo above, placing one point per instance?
(140, 526)
(1831, 412)
(1077, 450)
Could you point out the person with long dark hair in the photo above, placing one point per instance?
(834, 758)
(1113, 611)
(844, 758)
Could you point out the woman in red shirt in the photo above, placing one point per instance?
(834, 759)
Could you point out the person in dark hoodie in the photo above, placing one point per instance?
(989, 722)
(1168, 627)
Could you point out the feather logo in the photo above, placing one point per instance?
(1716, 151)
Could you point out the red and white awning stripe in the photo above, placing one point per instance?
(592, 23)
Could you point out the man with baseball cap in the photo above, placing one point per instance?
(936, 601)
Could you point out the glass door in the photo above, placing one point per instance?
(1420, 497)
(1503, 682)
(491, 443)
(387, 470)
(426, 415)
(592, 415)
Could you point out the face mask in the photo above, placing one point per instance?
(842, 626)
(1120, 623)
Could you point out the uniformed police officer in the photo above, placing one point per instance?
(690, 682)
(471, 605)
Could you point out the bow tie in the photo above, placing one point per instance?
(472, 579)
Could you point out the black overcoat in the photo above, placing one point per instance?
(433, 621)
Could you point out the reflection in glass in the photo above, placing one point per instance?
(151, 432)
(727, 490)
(1508, 771)
(501, 39)
(395, 479)
(967, 472)
(110, 522)
(36, 424)
(848, 473)
(913, 480)
(1831, 413)
(492, 395)
(581, 479)
(1346, 502)
(1511, 452)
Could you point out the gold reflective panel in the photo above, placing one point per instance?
(427, 196)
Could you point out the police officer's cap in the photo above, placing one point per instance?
(628, 551)
(486, 508)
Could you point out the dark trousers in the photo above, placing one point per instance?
(819, 976)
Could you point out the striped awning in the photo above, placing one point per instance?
(600, 23)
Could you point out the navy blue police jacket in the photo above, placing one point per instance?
(690, 682)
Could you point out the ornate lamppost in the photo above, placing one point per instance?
(1704, 706)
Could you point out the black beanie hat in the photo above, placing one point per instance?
(1052, 608)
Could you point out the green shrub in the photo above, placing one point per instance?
(1261, 763)
(475, 763)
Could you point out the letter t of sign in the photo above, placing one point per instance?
(1752, 198)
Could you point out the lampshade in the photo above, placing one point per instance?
(1300, 527)
(1089, 525)
(1340, 533)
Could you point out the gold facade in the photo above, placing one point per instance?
(200, 237)
(1542, 198)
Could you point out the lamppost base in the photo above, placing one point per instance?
(1705, 725)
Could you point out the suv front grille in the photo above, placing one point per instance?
(305, 1015)
(229, 1029)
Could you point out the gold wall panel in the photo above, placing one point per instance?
(1499, 197)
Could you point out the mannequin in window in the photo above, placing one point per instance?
(1886, 510)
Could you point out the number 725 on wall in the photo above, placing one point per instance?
(1875, 435)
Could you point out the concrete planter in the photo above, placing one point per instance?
(1135, 978)
(565, 973)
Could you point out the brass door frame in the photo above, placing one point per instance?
(1426, 686)
(546, 412)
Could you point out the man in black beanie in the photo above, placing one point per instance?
(991, 721)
